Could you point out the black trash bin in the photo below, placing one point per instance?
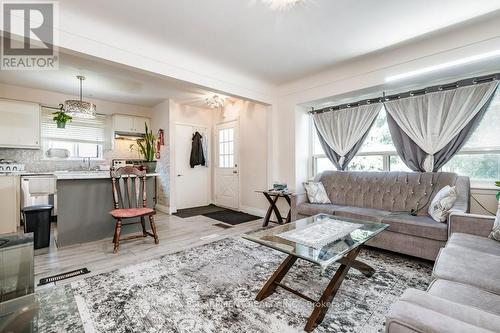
(37, 220)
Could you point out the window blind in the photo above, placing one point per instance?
(77, 130)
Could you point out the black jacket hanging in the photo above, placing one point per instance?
(197, 157)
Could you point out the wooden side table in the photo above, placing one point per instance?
(272, 197)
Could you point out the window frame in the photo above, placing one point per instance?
(386, 155)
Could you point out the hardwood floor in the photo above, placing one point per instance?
(175, 234)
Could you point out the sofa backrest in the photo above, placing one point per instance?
(390, 191)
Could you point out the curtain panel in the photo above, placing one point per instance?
(434, 121)
(342, 132)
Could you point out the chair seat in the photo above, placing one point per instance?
(125, 213)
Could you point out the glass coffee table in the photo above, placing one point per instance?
(321, 239)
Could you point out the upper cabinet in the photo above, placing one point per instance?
(19, 124)
(129, 124)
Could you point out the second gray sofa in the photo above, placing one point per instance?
(389, 197)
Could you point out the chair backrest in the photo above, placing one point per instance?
(129, 187)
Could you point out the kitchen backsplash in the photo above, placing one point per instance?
(35, 161)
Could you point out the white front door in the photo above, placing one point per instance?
(226, 168)
(192, 184)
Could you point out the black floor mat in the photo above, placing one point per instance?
(195, 211)
(231, 217)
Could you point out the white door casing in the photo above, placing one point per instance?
(227, 164)
(192, 184)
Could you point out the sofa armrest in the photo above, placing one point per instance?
(474, 224)
(419, 311)
(296, 200)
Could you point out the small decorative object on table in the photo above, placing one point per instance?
(61, 118)
(147, 149)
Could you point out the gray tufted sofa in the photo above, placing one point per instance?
(389, 197)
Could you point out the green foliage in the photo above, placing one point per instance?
(61, 117)
(498, 193)
(147, 145)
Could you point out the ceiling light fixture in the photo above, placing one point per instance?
(215, 101)
(79, 108)
(445, 65)
(281, 4)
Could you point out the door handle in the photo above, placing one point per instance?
(179, 175)
(235, 171)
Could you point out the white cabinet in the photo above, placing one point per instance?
(129, 124)
(19, 124)
(9, 204)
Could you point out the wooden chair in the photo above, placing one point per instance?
(128, 184)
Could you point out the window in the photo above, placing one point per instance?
(226, 148)
(479, 158)
(377, 153)
(81, 138)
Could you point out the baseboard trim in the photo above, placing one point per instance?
(253, 211)
(163, 209)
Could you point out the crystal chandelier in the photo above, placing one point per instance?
(281, 4)
(215, 101)
(79, 108)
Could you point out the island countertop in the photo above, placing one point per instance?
(65, 175)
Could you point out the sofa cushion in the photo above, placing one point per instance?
(309, 209)
(389, 191)
(366, 214)
(468, 266)
(417, 311)
(466, 295)
(420, 226)
(474, 242)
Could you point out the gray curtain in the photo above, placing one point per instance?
(334, 157)
(413, 156)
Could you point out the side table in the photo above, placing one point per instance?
(272, 197)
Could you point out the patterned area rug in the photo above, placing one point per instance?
(212, 289)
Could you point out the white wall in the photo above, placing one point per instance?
(51, 98)
(290, 162)
(33, 159)
(253, 145)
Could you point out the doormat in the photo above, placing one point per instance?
(195, 211)
(231, 217)
(63, 276)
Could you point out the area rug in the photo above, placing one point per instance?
(231, 217)
(211, 289)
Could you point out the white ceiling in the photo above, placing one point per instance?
(274, 46)
(107, 81)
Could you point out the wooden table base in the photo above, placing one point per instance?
(322, 305)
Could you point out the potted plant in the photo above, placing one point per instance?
(61, 118)
(147, 149)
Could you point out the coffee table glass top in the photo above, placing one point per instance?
(321, 239)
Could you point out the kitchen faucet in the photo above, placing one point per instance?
(88, 162)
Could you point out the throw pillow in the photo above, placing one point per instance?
(495, 232)
(442, 203)
(316, 193)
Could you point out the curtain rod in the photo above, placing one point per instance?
(411, 93)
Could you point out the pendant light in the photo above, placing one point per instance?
(80, 108)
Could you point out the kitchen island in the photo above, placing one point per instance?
(84, 200)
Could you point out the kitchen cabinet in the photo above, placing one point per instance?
(9, 204)
(129, 124)
(19, 124)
